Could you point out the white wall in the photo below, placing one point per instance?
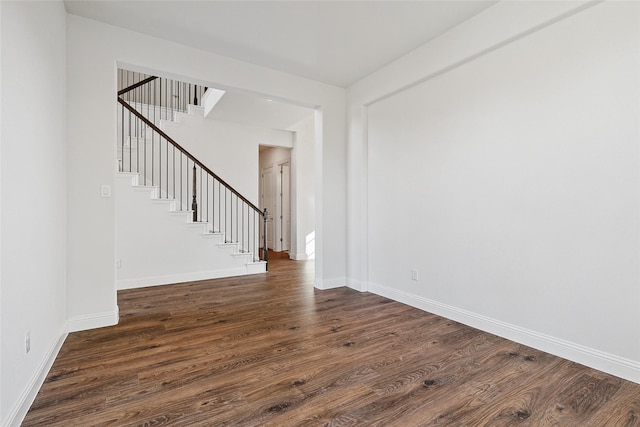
(1, 335)
(228, 149)
(33, 198)
(95, 50)
(507, 174)
(302, 199)
(2, 411)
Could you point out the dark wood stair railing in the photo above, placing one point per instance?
(194, 200)
(265, 249)
(168, 160)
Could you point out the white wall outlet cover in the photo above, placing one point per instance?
(105, 191)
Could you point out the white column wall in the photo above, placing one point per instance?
(501, 160)
(302, 199)
(330, 202)
(95, 50)
(2, 411)
(33, 199)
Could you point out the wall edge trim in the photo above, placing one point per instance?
(143, 282)
(337, 282)
(95, 320)
(19, 411)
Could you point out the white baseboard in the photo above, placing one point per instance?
(17, 414)
(256, 267)
(357, 285)
(337, 282)
(609, 363)
(300, 256)
(92, 321)
(167, 279)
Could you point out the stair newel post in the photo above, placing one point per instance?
(265, 249)
(194, 203)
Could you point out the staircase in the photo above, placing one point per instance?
(177, 220)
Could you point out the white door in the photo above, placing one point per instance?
(285, 207)
(269, 201)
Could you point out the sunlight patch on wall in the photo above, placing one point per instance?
(310, 245)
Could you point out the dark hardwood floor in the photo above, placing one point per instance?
(272, 350)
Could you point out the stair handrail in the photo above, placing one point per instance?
(139, 115)
(137, 85)
(181, 149)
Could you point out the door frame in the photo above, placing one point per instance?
(271, 235)
(280, 242)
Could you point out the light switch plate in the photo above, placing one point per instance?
(105, 191)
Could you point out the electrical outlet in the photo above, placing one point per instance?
(118, 263)
(27, 342)
(414, 274)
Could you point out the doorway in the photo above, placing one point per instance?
(268, 201)
(284, 189)
(275, 196)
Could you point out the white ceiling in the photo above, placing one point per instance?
(252, 110)
(336, 42)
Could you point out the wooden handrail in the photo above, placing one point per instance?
(133, 86)
(181, 149)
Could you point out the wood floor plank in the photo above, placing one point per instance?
(270, 350)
